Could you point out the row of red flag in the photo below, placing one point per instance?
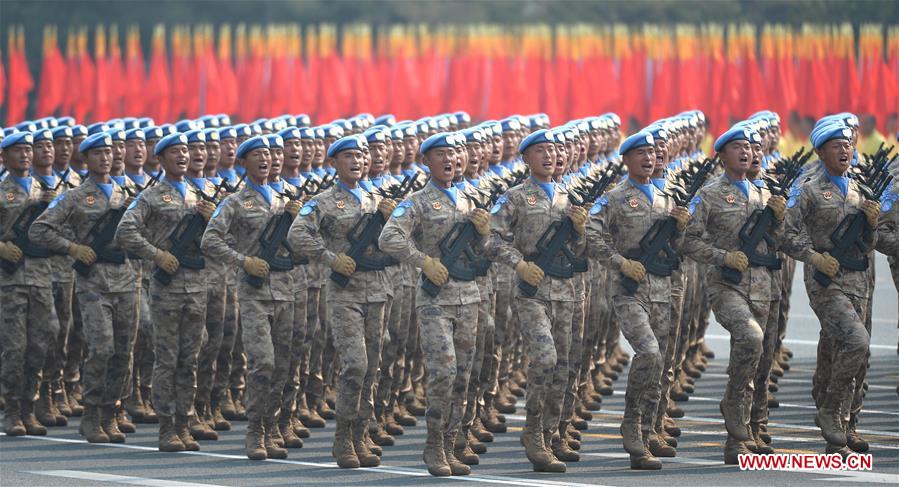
(489, 71)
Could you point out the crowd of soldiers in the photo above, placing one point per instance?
(374, 272)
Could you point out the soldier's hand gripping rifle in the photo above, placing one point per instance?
(104, 230)
(849, 236)
(554, 255)
(456, 253)
(20, 232)
(656, 254)
(757, 227)
(367, 229)
(274, 235)
(185, 238)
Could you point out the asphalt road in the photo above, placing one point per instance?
(64, 459)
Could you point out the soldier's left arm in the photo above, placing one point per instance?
(128, 235)
(396, 236)
(502, 220)
(305, 234)
(215, 238)
(694, 244)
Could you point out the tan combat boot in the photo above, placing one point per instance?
(168, 440)
(90, 425)
(560, 447)
(831, 426)
(32, 426)
(659, 447)
(367, 458)
(343, 450)
(199, 430)
(42, 409)
(733, 448)
(182, 429)
(732, 411)
(455, 464)
(12, 421)
(535, 447)
(291, 440)
(253, 442)
(434, 455)
(853, 440)
(270, 433)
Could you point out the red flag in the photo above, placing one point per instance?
(754, 93)
(53, 76)
(2, 81)
(101, 107)
(116, 71)
(135, 74)
(157, 88)
(20, 80)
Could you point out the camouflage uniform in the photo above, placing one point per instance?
(179, 308)
(743, 309)
(618, 222)
(27, 328)
(266, 313)
(356, 311)
(516, 226)
(107, 297)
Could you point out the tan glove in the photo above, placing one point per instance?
(578, 216)
(871, 209)
(435, 271)
(386, 207)
(293, 207)
(778, 205)
(205, 209)
(10, 251)
(736, 260)
(529, 272)
(633, 270)
(481, 221)
(166, 261)
(83, 254)
(255, 266)
(825, 263)
(682, 215)
(48, 196)
(128, 201)
(344, 264)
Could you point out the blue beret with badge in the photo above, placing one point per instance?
(63, 132)
(274, 141)
(193, 136)
(251, 144)
(227, 133)
(737, 132)
(135, 134)
(95, 141)
(17, 138)
(210, 121)
(303, 120)
(658, 132)
(67, 121)
(640, 139)
(118, 135)
(243, 130)
(290, 133)
(462, 117)
(440, 140)
(153, 133)
(473, 134)
(169, 141)
(27, 126)
(96, 128)
(168, 129)
(79, 131)
(144, 122)
(43, 134)
(212, 134)
(186, 125)
(831, 132)
(375, 134)
(541, 136)
(224, 119)
(352, 142)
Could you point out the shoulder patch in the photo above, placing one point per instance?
(795, 192)
(400, 209)
(599, 205)
(133, 202)
(308, 208)
(889, 199)
(56, 201)
(695, 201)
(218, 209)
(499, 204)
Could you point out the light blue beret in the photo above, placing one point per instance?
(130, 123)
(135, 134)
(737, 132)
(27, 126)
(212, 134)
(96, 128)
(118, 135)
(251, 144)
(274, 141)
(210, 121)
(42, 134)
(334, 130)
(152, 132)
(68, 121)
(443, 139)
(640, 139)
(510, 123)
(79, 131)
(462, 117)
(307, 133)
(95, 141)
(537, 137)
(346, 143)
(373, 135)
(386, 119)
(195, 136)
(474, 134)
(62, 132)
(830, 132)
(186, 125)
(168, 129)
(169, 141)
(243, 130)
(303, 120)
(145, 122)
(290, 133)
(227, 133)
(17, 138)
(224, 119)
(658, 132)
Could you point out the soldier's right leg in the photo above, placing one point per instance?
(221, 391)
(392, 362)
(53, 398)
(75, 349)
(97, 319)
(206, 360)
(256, 320)
(312, 380)
(142, 377)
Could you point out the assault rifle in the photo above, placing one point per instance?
(20, 229)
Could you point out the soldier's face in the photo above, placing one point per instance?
(561, 156)
(43, 153)
(135, 153)
(640, 162)
(293, 153)
(756, 166)
(836, 155)
(197, 151)
(277, 162)
(541, 159)
(661, 149)
(118, 152)
(509, 139)
(258, 164)
(18, 158)
(442, 162)
(176, 160)
(737, 156)
(350, 165)
(398, 152)
(474, 158)
(379, 157)
(99, 161)
(62, 148)
(308, 151)
(229, 151)
(461, 162)
(319, 157)
(410, 148)
(213, 154)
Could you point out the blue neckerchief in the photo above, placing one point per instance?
(229, 174)
(48, 180)
(854, 161)
(278, 186)
(743, 184)
(181, 186)
(295, 181)
(158, 172)
(25, 183)
(510, 165)
(476, 182)
(62, 174)
(199, 183)
(759, 183)
(842, 182)
(330, 170)
(319, 171)
(409, 172)
(659, 183)
(356, 192)
(140, 179)
(82, 172)
(765, 161)
(449, 192)
(265, 191)
(584, 169)
(548, 188)
(497, 169)
(644, 188)
(366, 185)
(106, 188)
(240, 170)
(424, 168)
(459, 184)
(378, 181)
(306, 174)
(215, 180)
(120, 180)
(566, 178)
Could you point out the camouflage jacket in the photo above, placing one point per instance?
(32, 271)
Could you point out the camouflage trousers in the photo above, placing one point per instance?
(843, 350)
(110, 326)
(74, 344)
(394, 350)
(645, 327)
(56, 348)
(214, 334)
(311, 362)
(746, 321)
(179, 320)
(759, 409)
(448, 337)
(297, 351)
(504, 329)
(357, 332)
(575, 358)
(479, 377)
(26, 331)
(266, 331)
(144, 356)
(230, 332)
(674, 339)
(546, 327)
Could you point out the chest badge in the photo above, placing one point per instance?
(827, 195)
(730, 198)
(632, 202)
(167, 198)
(248, 204)
(10, 196)
(532, 200)
(341, 204)
(90, 200)
(436, 205)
